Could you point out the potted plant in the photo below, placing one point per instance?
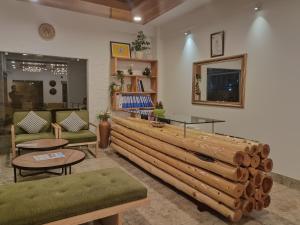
(140, 44)
(147, 72)
(104, 128)
(159, 111)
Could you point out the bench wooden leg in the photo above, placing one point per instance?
(112, 220)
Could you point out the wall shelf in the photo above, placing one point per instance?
(115, 66)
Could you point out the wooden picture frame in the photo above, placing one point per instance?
(217, 44)
(197, 74)
(120, 50)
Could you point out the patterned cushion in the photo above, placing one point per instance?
(73, 123)
(32, 123)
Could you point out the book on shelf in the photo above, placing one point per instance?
(133, 101)
(140, 85)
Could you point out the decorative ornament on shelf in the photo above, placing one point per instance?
(140, 45)
(104, 128)
(47, 31)
(130, 70)
(147, 71)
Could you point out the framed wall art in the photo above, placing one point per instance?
(217, 44)
(120, 50)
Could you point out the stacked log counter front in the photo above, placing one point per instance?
(227, 174)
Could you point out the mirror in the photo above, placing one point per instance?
(220, 82)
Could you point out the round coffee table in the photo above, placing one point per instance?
(47, 160)
(42, 144)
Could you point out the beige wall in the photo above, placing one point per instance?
(271, 39)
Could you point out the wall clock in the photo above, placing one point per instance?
(47, 31)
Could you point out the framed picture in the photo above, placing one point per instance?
(119, 49)
(217, 44)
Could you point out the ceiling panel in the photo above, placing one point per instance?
(116, 9)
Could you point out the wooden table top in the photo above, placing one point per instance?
(27, 161)
(43, 144)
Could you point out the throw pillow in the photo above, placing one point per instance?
(32, 123)
(73, 123)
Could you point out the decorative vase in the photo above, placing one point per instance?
(139, 54)
(104, 128)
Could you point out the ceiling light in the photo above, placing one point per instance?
(257, 7)
(24, 54)
(137, 18)
(188, 32)
(13, 62)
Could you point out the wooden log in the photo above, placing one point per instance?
(245, 175)
(223, 169)
(247, 160)
(220, 152)
(255, 161)
(233, 215)
(249, 191)
(266, 165)
(210, 191)
(258, 194)
(243, 145)
(259, 205)
(267, 201)
(266, 184)
(264, 153)
(255, 176)
(247, 206)
(233, 189)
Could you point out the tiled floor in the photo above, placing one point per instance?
(170, 207)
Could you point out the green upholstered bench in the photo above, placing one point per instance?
(70, 200)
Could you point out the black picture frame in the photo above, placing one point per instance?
(120, 43)
(216, 51)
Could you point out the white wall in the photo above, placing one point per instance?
(271, 39)
(45, 77)
(77, 35)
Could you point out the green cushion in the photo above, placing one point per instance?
(83, 114)
(79, 137)
(30, 137)
(18, 116)
(47, 200)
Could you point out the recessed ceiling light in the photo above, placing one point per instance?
(13, 62)
(24, 54)
(257, 7)
(137, 18)
(188, 32)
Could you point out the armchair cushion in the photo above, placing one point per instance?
(83, 114)
(79, 137)
(32, 123)
(73, 123)
(30, 137)
(18, 116)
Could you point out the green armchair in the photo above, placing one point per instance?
(18, 135)
(84, 137)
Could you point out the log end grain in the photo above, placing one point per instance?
(239, 158)
(266, 184)
(259, 205)
(266, 165)
(245, 175)
(247, 160)
(255, 161)
(267, 201)
(265, 151)
(247, 207)
(249, 190)
(237, 215)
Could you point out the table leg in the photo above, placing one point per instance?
(66, 170)
(15, 174)
(70, 169)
